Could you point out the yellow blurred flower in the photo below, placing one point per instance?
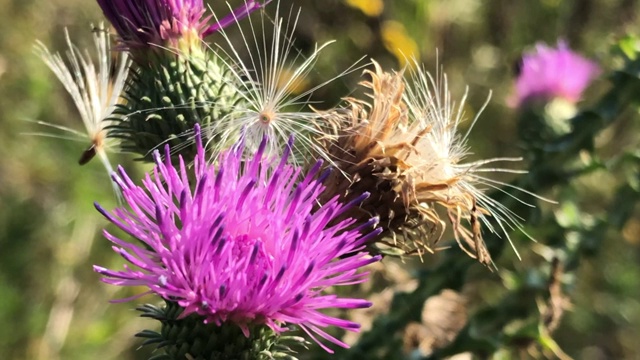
(399, 43)
(370, 8)
(290, 82)
(630, 232)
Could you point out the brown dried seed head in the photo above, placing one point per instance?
(381, 150)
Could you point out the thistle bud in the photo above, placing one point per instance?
(175, 82)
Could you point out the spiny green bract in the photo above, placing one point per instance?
(164, 99)
(191, 338)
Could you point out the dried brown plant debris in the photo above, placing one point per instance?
(443, 317)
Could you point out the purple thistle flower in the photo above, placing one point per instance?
(143, 22)
(244, 244)
(551, 73)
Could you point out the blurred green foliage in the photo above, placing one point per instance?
(53, 305)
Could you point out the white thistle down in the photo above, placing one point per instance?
(266, 84)
(93, 91)
(438, 157)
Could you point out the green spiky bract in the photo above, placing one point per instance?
(190, 338)
(166, 97)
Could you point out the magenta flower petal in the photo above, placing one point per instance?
(549, 73)
(141, 23)
(242, 243)
(237, 14)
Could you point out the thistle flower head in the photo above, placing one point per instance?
(404, 148)
(269, 83)
(93, 90)
(549, 73)
(174, 23)
(241, 244)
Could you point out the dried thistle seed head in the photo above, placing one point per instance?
(404, 148)
(371, 148)
(441, 164)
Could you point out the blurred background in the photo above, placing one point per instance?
(52, 303)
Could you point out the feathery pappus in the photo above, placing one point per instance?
(270, 76)
(94, 90)
(403, 147)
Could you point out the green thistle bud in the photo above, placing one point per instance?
(175, 84)
(165, 99)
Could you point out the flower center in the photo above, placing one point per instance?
(266, 117)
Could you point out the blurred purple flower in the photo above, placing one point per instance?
(549, 73)
(244, 244)
(143, 22)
